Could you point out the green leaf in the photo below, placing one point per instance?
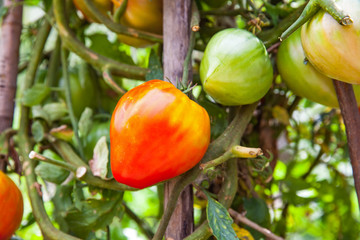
(219, 220)
(38, 131)
(39, 113)
(50, 172)
(85, 122)
(101, 45)
(94, 214)
(35, 95)
(100, 159)
(155, 67)
(55, 110)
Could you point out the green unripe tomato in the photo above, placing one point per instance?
(303, 79)
(98, 130)
(236, 68)
(83, 90)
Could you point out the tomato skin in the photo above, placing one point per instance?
(303, 79)
(103, 5)
(332, 48)
(236, 69)
(146, 15)
(156, 133)
(11, 207)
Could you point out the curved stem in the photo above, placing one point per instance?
(118, 28)
(110, 81)
(95, 59)
(338, 14)
(84, 174)
(54, 63)
(231, 136)
(41, 217)
(309, 11)
(312, 8)
(119, 12)
(74, 121)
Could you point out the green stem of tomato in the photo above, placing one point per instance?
(74, 121)
(42, 158)
(68, 154)
(118, 28)
(230, 137)
(309, 11)
(41, 217)
(312, 8)
(217, 161)
(120, 11)
(144, 226)
(73, 44)
(269, 37)
(338, 14)
(233, 152)
(52, 72)
(110, 82)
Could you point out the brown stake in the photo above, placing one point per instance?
(177, 17)
(351, 116)
(9, 59)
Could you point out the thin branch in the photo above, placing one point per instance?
(253, 225)
(144, 227)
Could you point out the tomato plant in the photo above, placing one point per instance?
(146, 15)
(11, 207)
(332, 48)
(301, 77)
(156, 133)
(103, 5)
(83, 90)
(236, 69)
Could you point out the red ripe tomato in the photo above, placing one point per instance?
(156, 133)
(11, 207)
(145, 15)
(332, 48)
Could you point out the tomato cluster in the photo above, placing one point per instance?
(11, 207)
(330, 50)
